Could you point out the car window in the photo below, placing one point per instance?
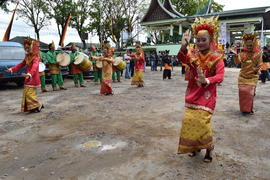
(11, 53)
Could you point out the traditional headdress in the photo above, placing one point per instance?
(106, 48)
(138, 48)
(111, 51)
(210, 24)
(253, 38)
(32, 44)
(33, 47)
(73, 47)
(51, 45)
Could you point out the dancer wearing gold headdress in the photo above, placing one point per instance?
(107, 60)
(206, 71)
(139, 66)
(32, 81)
(250, 59)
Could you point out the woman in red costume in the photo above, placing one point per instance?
(206, 72)
(139, 67)
(32, 80)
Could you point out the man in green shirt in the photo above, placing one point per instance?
(54, 67)
(97, 72)
(75, 70)
(116, 73)
(42, 74)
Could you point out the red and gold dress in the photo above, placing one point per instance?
(31, 61)
(200, 100)
(139, 69)
(247, 79)
(106, 87)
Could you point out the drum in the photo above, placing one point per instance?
(99, 64)
(83, 62)
(119, 63)
(63, 59)
(41, 67)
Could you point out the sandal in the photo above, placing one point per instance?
(208, 156)
(194, 153)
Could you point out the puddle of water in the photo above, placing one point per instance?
(92, 144)
(113, 146)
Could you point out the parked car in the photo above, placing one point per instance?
(11, 54)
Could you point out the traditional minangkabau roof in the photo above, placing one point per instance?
(263, 12)
(157, 12)
(168, 5)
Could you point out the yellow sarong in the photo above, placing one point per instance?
(29, 99)
(137, 78)
(196, 132)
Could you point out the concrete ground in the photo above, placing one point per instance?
(81, 135)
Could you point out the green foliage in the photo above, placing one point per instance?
(58, 10)
(80, 17)
(5, 3)
(190, 7)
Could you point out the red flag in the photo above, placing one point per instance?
(7, 33)
(61, 43)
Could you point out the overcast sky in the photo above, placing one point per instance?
(50, 33)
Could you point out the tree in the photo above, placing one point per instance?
(58, 10)
(32, 12)
(99, 24)
(110, 18)
(5, 3)
(190, 7)
(117, 21)
(217, 7)
(134, 11)
(80, 18)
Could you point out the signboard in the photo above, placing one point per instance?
(223, 33)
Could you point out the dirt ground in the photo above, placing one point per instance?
(81, 135)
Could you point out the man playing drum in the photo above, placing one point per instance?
(75, 70)
(116, 72)
(55, 71)
(97, 71)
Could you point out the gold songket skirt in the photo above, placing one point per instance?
(29, 99)
(137, 78)
(196, 132)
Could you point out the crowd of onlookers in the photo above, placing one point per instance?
(156, 60)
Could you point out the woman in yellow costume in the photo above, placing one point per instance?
(250, 59)
(205, 73)
(107, 60)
